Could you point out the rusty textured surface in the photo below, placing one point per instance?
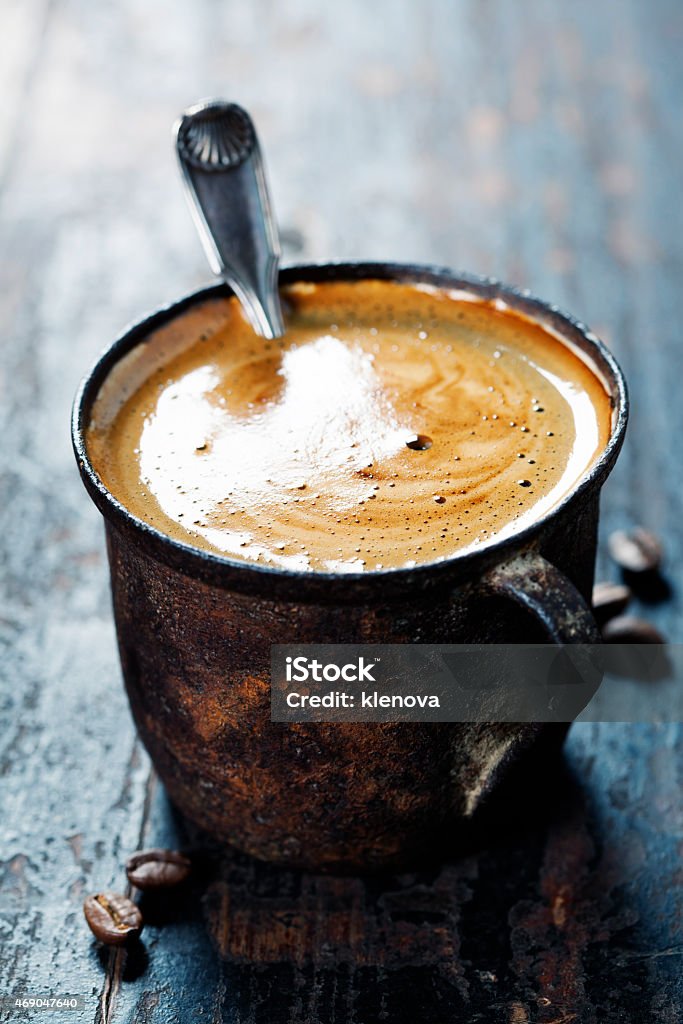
(539, 143)
(196, 660)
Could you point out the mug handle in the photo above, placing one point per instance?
(535, 585)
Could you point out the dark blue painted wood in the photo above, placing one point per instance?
(538, 142)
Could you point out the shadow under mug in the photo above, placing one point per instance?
(195, 631)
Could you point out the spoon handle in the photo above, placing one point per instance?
(225, 182)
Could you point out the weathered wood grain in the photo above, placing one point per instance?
(539, 142)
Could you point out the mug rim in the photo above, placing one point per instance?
(271, 581)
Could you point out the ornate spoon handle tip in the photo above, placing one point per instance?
(225, 182)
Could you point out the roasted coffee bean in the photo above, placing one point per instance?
(636, 551)
(610, 599)
(112, 918)
(157, 869)
(627, 629)
(634, 649)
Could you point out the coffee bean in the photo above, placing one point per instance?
(627, 629)
(635, 650)
(636, 551)
(610, 599)
(157, 869)
(112, 918)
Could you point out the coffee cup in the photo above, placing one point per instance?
(195, 630)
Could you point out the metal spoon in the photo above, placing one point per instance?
(225, 183)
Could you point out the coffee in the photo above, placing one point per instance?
(157, 868)
(113, 918)
(393, 424)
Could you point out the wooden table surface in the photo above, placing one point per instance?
(539, 142)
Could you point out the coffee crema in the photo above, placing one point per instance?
(393, 424)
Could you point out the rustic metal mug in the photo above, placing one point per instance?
(195, 631)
